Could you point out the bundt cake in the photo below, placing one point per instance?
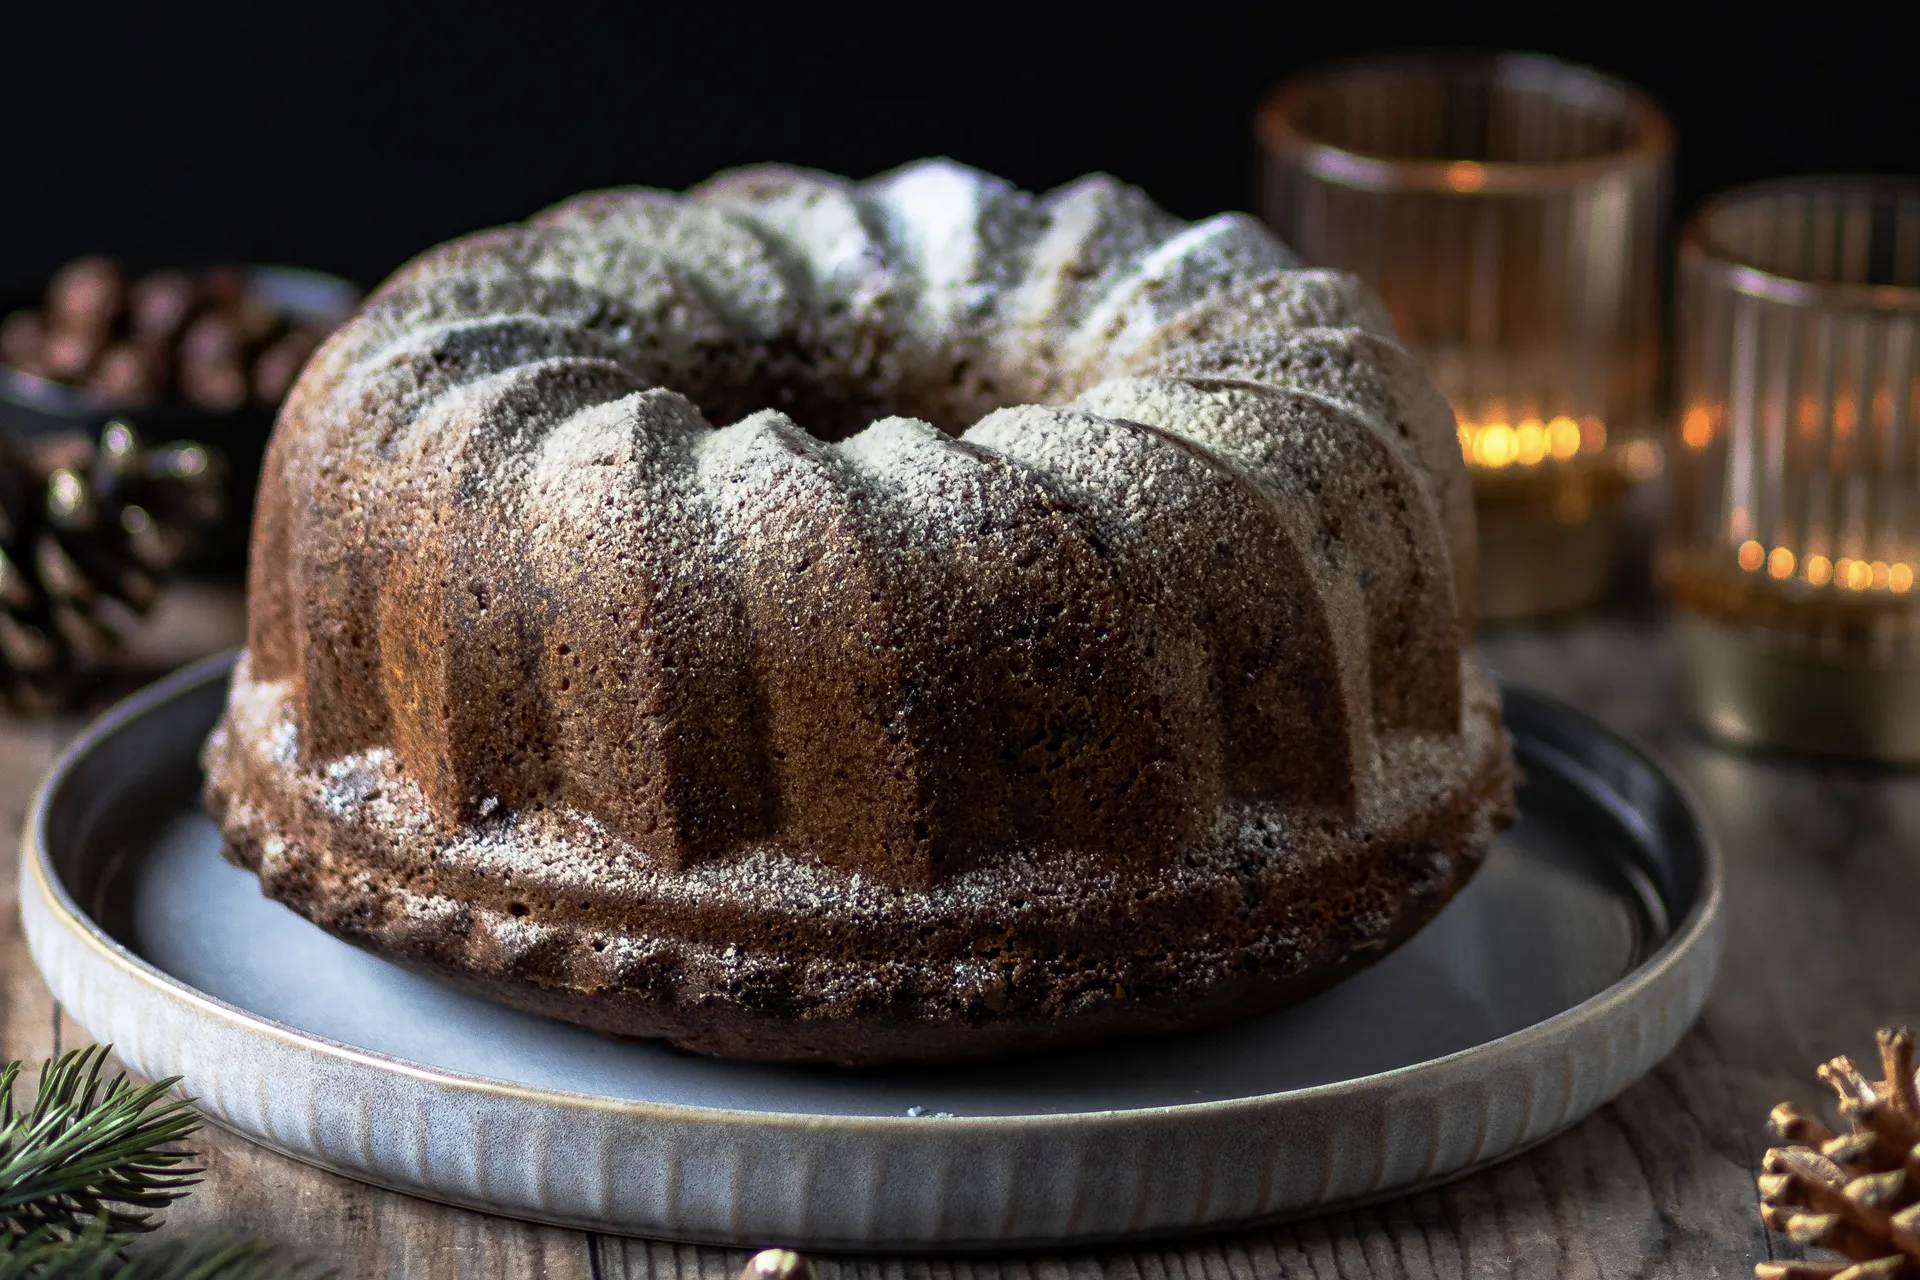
(1117, 679)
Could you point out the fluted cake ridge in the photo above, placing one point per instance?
(899, 619)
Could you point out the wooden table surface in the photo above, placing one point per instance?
(1824, 944)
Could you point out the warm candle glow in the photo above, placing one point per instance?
(1563, 438)
(1792, 530)
(1465, 175)
(1510, 214)
(1846, 573)
(1696, 429)
(1495, 443)
(1530, 446)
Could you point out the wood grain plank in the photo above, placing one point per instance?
(28, 1023)
(368, 1232)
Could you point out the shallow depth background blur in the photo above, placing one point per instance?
(349, 137)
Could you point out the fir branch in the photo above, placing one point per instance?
(96, 1254)
(217, 1256)
(47, 1254)
(89, 1151)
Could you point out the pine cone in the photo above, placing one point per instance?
(1858, 1193)
(87, 532)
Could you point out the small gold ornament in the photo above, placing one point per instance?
(1858, 1193)
(777, 1264)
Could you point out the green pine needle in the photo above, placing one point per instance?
(89, 1152)
(96, 1254)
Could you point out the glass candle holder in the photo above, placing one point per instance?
(1509, 210)
(1793, 536)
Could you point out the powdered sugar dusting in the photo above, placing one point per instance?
(566, 854)
(1196, 633)
(1205, 259)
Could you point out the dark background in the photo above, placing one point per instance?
(350, 136)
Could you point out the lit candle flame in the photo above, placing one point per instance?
(1496, 443)
(1846, 573)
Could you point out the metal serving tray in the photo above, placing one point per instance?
(1572, 964)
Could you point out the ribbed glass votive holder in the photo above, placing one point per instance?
(1509, 209)
(1794, 530)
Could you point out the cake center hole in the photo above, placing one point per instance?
(951, 396)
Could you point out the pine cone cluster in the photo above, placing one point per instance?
(203, 336)
(87, 532)
(1858, 1193)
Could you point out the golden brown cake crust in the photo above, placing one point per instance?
(1122, 685)
(757, 956)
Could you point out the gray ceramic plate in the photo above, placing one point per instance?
(1571, 964)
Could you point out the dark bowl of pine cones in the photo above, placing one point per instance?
(202, 353)
(1852, 1191)
(134, 411)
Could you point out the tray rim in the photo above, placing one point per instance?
(1700, 927)
(1686, 934)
